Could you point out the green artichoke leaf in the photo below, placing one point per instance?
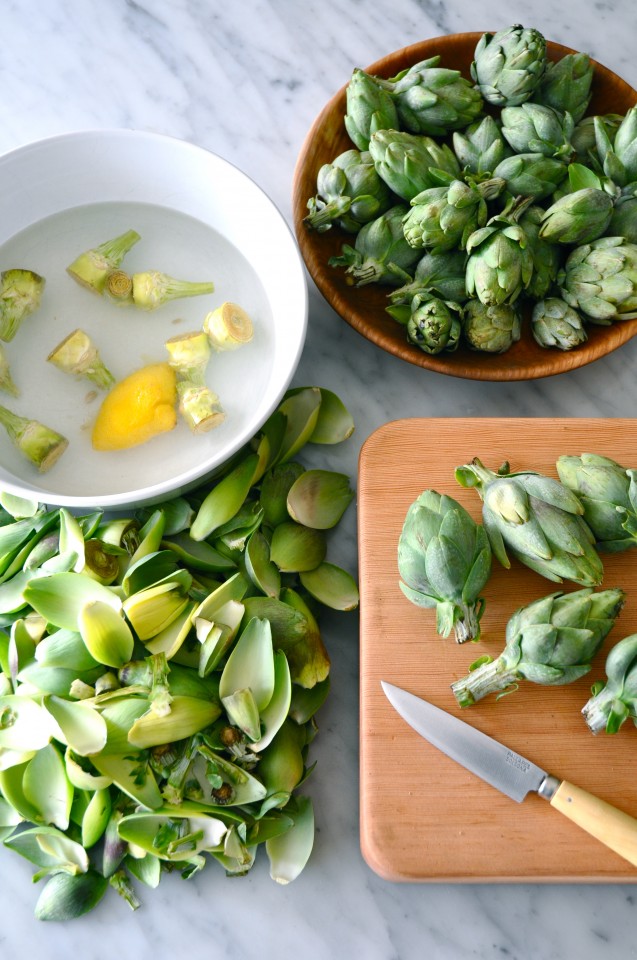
(542, 673)
(419, 598)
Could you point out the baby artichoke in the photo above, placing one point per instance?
(349, 193)
(531, 174)
(491, 329)
(600, 279)
(409, 164)
(434, 100)
(578, 217)
(555, 324)
(500, 264)
(369, 108)
(381, 253)
(434, 325)
(480, 147)
(443, 218)
(566, 85)
(534, 128)
(615, 699)
(538, 520)
(551, 641)
(444, 560)
(608, 494)
(508, 66)
(438, 273)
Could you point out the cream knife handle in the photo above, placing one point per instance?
(615, 829)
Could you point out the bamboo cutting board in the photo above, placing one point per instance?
(422, 816)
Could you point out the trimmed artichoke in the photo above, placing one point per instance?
(409, 164)
(434, 325)
(538, 520)
(533, 128)
(349, 193)
(509, 65)
(444, 560)
(444, 218)
(438, 273)
(566, 85)
(491, 329)
(531, 174)
(615, 700)
(551, 641)
(600, 280)
(369, 108)
(434, 100)
(480, 147)
(500, 264)
(578, 217)
(555, 324)
(608, 494)
(381, 254)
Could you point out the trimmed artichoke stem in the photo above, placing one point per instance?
(488, 678)
(468, 626)
(152, 288)
(41, 445)
(595, 715)
(119, 286)
(188, 355)
(78, 355)
(325, 215)
(92, 267)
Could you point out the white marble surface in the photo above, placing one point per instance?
(246, 79)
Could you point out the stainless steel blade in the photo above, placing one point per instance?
(501, 767)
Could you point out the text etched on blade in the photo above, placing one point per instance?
(515, 760)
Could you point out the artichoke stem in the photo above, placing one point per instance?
(488, 678)
(322, 217)
(92, 267)
(41, 445)
(467, 627)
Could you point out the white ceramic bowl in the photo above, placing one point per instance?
(200, 218)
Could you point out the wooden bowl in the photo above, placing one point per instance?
(364, 307)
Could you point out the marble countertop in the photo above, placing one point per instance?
(246, 80)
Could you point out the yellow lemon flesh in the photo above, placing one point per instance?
(139, 407)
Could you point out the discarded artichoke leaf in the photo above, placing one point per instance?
(120, 714)
(243, 712)
(305, 702)
(11, 787)
(225, 499)
(64, 648)
(83, 779)
(296, 548)
(334, 423)
(309, 661)
(234, 588)
(150, 536)
(319, 498)
(187, 715)
(251, 664)
(21, 649)
(244, 788)
(101, 561)
(152, 610)
(178, 514)
(274, 491)
(19, 507)
(274, 714)
(267, 827)
(146, 869)
(60, 597)
(24, 724)
(301, 410)
(106, 634)
(82, 727)
(149, 569)
(289, 852)
(331, 586)
(173, 833)
(281, 765)
(198, 555)
(169, 640)
(132, 775)
(96, 817)
(66, 897)
(47, 788)
(261, 570)
(50, 849)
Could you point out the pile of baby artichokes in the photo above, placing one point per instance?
(506, 170)
(559, 528)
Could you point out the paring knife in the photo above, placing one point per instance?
(512, 773)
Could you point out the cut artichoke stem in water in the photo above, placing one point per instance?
(78, 355)
(228, 327)
(199, 406)
(91, 268)
(189, 355)
(152, 288)
(7, 383)
(119, 287)
(20, 296)
(39, 443)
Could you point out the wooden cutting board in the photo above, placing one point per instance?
(422, 816)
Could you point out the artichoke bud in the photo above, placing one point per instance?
(509, 65)
(578, 217)
(500, 264)
(531, 174)
(551, 641)
(566, 85)
(409, 164)
(349, 193)
(434, 324)
(556, 324)
(618, 157)
(381, 253)
(435, 100)
(492, 329)
(600, 279)
(440, 273)
(370, 107)
(623, 222)
(533, 128)
(480, 147)
(444, 561)
(547, 257)
(615, 701)
(604, 489)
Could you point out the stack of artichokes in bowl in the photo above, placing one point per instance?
(469, 204)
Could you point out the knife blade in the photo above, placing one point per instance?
(513, 774)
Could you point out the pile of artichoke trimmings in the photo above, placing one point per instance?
(558, 528)
(472, 199)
